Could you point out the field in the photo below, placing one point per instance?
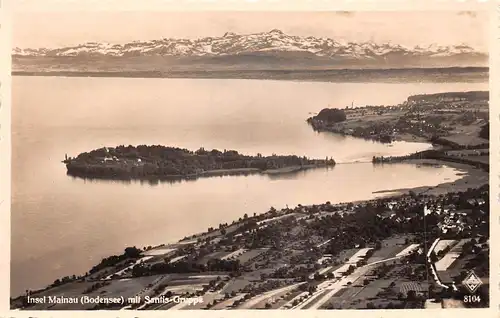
(251, 254)
(450, 257)
(358, 256)
(159, 251)
(466, 139)
(390, 248)
(219, 255)
(343, 257)
(409, 249)
(227, 302)
(463, 264)
(363, 296)
(443, 244)
(260, 300)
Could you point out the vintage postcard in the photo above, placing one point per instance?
(225, 159)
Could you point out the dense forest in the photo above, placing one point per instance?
(331, 115)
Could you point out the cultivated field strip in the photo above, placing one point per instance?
(176, 259)
(223, 305)
(450, 257)
(256, 300)
(234, 254)
(359, 255)
(443, 244)
(159, 251)
(121, 272)
(408, 250)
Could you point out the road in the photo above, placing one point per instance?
(327, 289)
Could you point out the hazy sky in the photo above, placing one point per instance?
(53, 29)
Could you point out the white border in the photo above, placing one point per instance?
(494, 154)
(250, 5)
(5, 156)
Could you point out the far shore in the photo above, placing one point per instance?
(348, 75)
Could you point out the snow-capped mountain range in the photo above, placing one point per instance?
(274, 42)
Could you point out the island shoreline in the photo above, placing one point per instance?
(161, 163)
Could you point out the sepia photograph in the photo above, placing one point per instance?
(226, 160)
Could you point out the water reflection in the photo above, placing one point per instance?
(151, 181)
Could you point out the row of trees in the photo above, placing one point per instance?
(187, 266)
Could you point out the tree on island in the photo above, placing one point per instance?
(132, 252)
(332, 115)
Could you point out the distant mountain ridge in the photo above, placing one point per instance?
(273, 43)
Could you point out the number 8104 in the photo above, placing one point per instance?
(472, 299)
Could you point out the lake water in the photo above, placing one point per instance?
(63, 226)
